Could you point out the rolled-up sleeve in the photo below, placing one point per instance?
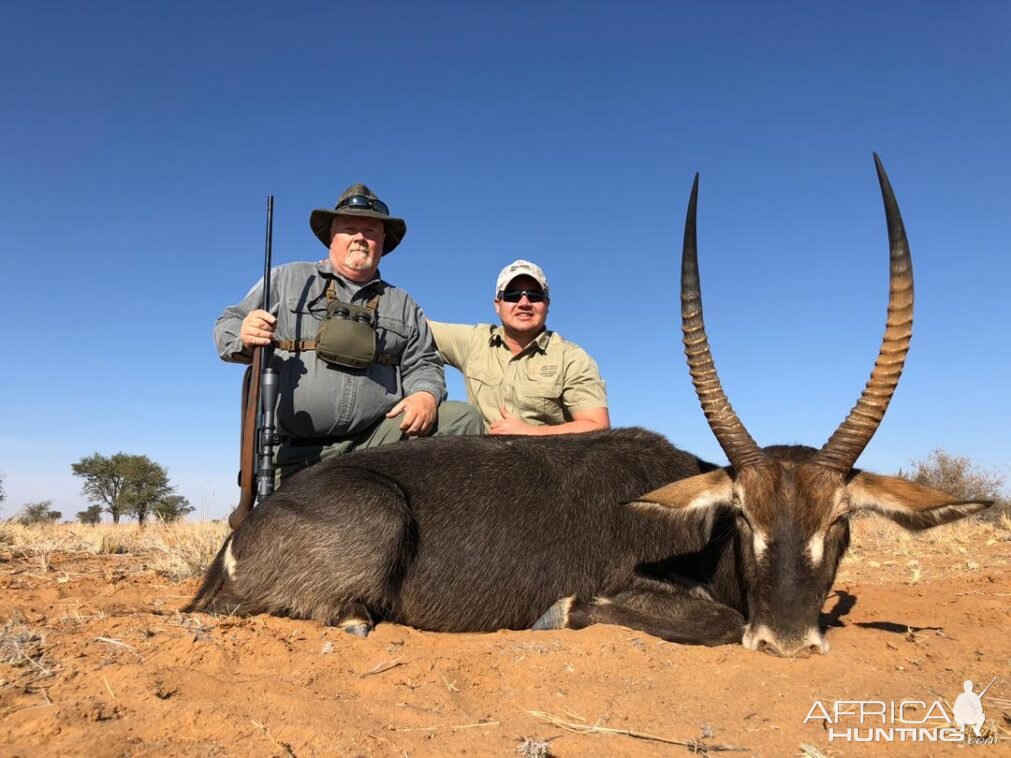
(583, 387)
(421, 367)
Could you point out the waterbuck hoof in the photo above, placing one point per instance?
(358, 630)
(555, 617)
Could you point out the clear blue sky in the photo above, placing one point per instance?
(139, 141)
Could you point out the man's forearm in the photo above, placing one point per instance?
(569, 427)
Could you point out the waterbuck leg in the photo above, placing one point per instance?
(355, 619)
(335, 554)
(557, 616)
(687, 615)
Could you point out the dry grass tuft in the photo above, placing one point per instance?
(22, 645)
(693, 745)
(531, 748)
(184, 550)
(177, 551)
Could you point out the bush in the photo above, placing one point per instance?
(959, 476)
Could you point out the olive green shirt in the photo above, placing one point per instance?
(548, 381)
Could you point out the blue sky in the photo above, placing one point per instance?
(141, 139)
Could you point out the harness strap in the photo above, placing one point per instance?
(331, 295)
(297, 346)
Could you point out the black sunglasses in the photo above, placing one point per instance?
(514, 296)
(360, 201)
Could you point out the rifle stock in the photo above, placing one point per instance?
(247, 454)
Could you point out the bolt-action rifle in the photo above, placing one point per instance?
(259, 397)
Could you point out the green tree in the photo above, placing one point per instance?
(148, 484)
(171, 508)
(37, 513)
(960, 476)
(90, 515)
(104, 481)
(126, 485)
(3, 493)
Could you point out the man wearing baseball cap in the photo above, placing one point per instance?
(357, 364)
(524, 378)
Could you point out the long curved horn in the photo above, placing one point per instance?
(852, 436)
(740, 448)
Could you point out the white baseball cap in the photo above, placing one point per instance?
(520, 268)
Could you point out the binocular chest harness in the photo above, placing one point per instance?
(346, 336)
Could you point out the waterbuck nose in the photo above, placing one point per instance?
(762, 639)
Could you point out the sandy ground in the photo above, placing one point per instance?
(98, 661)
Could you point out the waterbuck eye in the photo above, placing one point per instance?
(840, 521)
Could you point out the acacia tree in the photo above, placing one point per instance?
(147, 484)
(37, 513)
(126, 485)
(90, 515)
(171, 508)
(104, 481)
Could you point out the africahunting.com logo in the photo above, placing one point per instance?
(905, 720)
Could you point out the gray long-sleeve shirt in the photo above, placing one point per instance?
(320, 400)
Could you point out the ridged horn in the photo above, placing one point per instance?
(849, 440)
(740, 448)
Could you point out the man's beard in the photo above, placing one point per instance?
(358, 257)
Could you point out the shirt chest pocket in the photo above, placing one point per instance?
(483, 380)
(391, 336)
(541, 400)
(484, 389)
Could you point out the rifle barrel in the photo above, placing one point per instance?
(268, 252)
(269, 378)
(256, 473)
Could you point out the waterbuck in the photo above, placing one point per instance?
(485, 533)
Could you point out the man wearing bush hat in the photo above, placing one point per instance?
(357, 364)
(524, 378)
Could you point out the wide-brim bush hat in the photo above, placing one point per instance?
(359, 200)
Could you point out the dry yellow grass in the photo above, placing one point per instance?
(182, 550)
(177, 551)
(970, 545)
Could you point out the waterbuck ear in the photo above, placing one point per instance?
(700, 491)
(908, 504)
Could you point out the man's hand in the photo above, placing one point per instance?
(510, 424)
(419, 412)
(257, 328)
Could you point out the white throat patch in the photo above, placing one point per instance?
(759, 543)
(229, 561)
(816, 549)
